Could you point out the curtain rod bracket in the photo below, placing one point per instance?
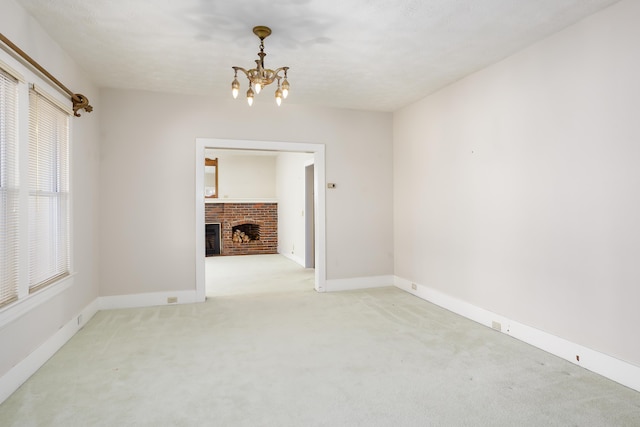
(80, 102)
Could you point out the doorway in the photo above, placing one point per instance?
(317, 196)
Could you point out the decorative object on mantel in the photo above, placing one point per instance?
(260, 77)
(211, 178)
(80, 102)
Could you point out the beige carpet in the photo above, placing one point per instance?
(236, 275)
(377, 357)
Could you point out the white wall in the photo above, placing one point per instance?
(246, 176)
(26, 334)
(291, 204)
(516, 189)
(148, 181)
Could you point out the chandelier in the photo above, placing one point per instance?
(260, 77)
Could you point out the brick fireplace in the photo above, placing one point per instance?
(246, 228)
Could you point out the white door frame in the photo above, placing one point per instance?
(318, 151)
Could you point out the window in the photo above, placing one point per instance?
(34, 194)
(9, 191)
(48, 190)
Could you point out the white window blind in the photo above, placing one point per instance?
(48, 190)
(9, 191)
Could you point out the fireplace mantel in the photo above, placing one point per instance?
(241, 201)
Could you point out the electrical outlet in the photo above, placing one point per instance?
(497, 326)
(172, 300)
(414, 286)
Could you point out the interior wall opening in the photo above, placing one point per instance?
(294, 255)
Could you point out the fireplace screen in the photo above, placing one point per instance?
(212, 239)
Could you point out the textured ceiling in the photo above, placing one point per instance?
(362, 54)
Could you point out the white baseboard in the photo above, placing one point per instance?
(355, 283)
(607, 366)
(13, 379)
(293, 258)
(147, 300)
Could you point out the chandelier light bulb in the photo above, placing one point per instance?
(285, 88)
(258, 87)
(250, 97)
(235, 88)
(278, 96)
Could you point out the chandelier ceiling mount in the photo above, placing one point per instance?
(259, 77)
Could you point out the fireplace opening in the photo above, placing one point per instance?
(212, 239)
(245, 233)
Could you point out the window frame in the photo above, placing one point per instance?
(28, 301)
(51, 193)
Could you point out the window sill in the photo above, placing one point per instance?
(24, 305)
